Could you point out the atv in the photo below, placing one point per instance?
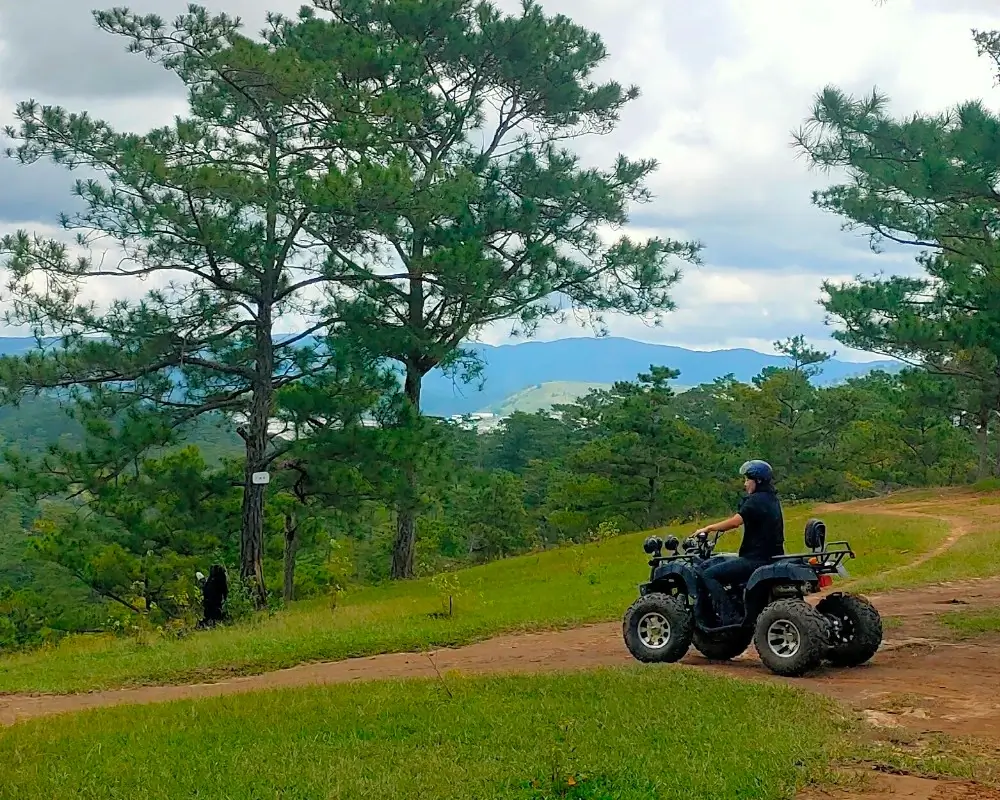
(791, 636)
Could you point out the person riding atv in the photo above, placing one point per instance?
(763, 525)
(759, 595)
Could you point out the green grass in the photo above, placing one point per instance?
(555, 589)
(973, 622)
(908, 496)
(882, 542)
(975, 555)
(611, 734)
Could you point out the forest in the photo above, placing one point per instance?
(397, 178)
(123, 555)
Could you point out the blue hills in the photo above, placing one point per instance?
(512, 368)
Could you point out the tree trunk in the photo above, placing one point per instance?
(996, 464)
(252, 516)
(252, 530)
(291, 550)
(403, 549)
(983, 439)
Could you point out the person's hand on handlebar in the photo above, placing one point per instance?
(721, 527)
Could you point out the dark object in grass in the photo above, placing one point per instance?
(214, 595)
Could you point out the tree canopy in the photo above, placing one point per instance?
(230, 213)
(490, 218)
(930, 182)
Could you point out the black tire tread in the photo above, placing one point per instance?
(867, 626)
(681, 628)
(723, 646)
(813, 628)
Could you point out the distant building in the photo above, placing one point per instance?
(480, 422)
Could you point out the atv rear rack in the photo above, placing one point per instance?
(827, 561)
(824, 562)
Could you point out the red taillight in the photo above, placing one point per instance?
(825, 581)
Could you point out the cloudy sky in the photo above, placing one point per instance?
(724, 83)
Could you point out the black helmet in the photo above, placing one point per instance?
(759, 471)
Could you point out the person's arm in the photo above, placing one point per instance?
(725, 525)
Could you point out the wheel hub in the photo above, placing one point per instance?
(842, 629)
(783, 638)
(654, 630)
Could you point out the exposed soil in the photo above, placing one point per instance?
(908, 787)
(921, 679)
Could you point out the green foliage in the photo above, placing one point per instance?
(395, 174)
(637, 459)
(138, 541)
(231, 209)
(926, 181)
(487, 215)
(448, 589)
(624, 459)
(22, 620)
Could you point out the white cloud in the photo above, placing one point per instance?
(724, 83)
(723, 307)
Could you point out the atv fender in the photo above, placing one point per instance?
(783, 572)
(673, 574)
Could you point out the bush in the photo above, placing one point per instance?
(22, 620)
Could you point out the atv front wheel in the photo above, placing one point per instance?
(724, 645)
(856, 629)
(657, 628)
(791, 637)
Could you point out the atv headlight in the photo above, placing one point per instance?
(654, 544)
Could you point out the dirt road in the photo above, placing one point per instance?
(951, 685)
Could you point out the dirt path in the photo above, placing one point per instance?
(954, 684)
(958, 525)
(908, 787)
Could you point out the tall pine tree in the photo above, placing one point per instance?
(490, 218)
(228, 212)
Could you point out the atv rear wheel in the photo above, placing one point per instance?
(657, 628)
(856, 629)
(724, 645)
(791, 637)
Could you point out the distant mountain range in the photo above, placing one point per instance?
(512, 369)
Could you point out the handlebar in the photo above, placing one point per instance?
(701, 544)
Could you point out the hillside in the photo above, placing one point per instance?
(510, 369)
(542, 396)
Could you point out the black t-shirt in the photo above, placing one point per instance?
(763, 526)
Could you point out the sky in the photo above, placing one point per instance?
(724, 83)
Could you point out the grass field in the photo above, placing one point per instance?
(605, 735)
(554, 589)
(972, 623)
